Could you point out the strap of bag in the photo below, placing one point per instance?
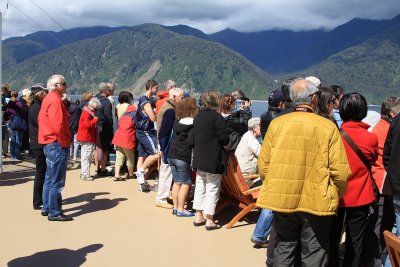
(358, 152)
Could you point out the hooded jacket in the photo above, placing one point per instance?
(182, 140)
(125, 136)
(391, 154)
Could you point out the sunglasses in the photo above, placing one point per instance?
(63, 83)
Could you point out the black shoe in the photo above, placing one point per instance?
(39, 207)
(60, 218)
(259, 244)
(44, 213)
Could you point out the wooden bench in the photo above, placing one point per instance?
(236, 191)
(393, 247)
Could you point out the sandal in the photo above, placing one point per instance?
(130, 176)
(119, 179)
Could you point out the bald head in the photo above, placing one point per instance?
(301, 90)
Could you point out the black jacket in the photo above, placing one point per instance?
(182, 141)
(75, 114)
(237, 121)
(391, 154)
(210, 135)
(33, 114)
(266, 119)
(105, 123)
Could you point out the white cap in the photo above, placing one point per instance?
(314, 80)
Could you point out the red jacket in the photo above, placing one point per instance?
(87, 126)
(359, 186)
(381, 129)
(53, 121)
(163, 96)
(125, 136)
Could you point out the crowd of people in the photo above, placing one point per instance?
(326, 164)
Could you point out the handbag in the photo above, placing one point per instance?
(17, 123)
(364, 160)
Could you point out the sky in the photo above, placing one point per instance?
(27, 16)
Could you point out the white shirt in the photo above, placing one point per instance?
(247, 153)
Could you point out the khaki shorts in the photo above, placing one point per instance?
(124, 153)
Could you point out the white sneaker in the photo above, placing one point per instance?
(86, 178)
(140, 176)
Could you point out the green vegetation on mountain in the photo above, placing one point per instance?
(371, 68)
(129, 57)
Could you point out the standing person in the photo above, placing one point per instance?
(86, 135)
(326, 103)
(305, 152)
(146, 134)
(211, 137)
(75, 113)
(112, 101)
(4, 130)
(55, 134)
(276, 103)
(25, 100)
(124, 100)
(165, 122)
(180, 154)
(338, 92)
(14, 108)
(38, 92)
(125, 141)
(391, 161)
(354, 205)
(382, 217)
(105, 129)
(163, 96)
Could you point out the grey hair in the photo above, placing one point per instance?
(390, 104)
(175, 91)
(94, 103)
(53, 80)
(169, 83)
(300, 91)
(103, 87)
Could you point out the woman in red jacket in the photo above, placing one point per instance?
(354, 206)
(125, 141)
(87, 136)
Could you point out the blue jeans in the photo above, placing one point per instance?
(396, 205)
(263, 226)
(15, 144)
(180, 171)
(54, 180)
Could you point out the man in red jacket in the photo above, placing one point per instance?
(55, 134)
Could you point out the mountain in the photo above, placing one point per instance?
(371, 68)
(18, 49)
(280, 51)
(133, 55)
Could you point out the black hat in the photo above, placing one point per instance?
(38, 88)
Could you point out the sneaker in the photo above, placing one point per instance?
(184, 213)
(86, 178)
(164, 205)
(174, 211)
(145, 187)
(259, 244)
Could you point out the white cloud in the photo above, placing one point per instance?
(207, 15)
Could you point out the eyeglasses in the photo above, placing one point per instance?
(63, 83)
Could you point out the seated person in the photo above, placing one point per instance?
(249, 148)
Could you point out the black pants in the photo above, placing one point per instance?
(271, 246)
(355, 220)
(301, 232)
(40, 160)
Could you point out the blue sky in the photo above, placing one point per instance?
(207, 15)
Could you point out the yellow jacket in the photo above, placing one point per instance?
(304, 165)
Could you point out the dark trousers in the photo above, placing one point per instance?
(355, 219)
(40, 161)
(271, 245)
(302, 232)
(381, 218)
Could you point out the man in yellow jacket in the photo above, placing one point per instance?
(305, 171)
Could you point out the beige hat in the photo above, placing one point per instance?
(314, 80)
(26, 92)
(252, 122)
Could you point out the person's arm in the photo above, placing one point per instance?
(387, 149)
(265, 155)
(339, 169)
(55, 113)
(167, 123)
(254, 146)
(222, 131)
(149, 111)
